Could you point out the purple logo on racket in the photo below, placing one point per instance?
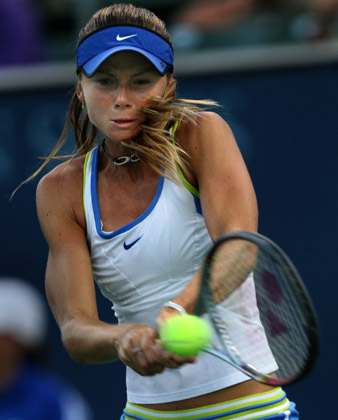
(275, 294)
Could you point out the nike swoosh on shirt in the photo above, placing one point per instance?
(128, 246)
(122, 38)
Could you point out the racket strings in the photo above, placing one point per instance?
(233, 261)
(255, 308)
(281, 316)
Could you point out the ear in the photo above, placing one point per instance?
(80, 93)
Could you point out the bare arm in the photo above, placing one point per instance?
(227, 195)
(69, 281)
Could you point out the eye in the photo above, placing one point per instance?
(105, 81)
(142, 82)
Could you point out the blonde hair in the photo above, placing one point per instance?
(154, 145)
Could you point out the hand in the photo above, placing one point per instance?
(138, 347)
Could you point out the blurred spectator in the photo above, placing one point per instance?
(214, 13)
(317, 20)
(36, 30)
(21, 38)
(200, 23)
(27, 390)
(222, 23)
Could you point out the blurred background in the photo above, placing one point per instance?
(46, 30)
(273, 67)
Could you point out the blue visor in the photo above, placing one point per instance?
(100, 45)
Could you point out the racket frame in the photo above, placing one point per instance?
(231, 355)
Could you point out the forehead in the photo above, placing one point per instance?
(127, 61)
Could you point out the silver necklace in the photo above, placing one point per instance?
(121, 160)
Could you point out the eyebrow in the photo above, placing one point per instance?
(150, 70)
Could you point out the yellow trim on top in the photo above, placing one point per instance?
(187, 184)
(184, 181)
(85, 166)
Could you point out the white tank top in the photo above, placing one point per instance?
(147, 262)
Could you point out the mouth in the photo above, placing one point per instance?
(123, 122)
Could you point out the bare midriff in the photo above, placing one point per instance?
(243, 389)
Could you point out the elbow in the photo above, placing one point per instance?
(74, 346)
(73, 351)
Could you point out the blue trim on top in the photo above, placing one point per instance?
(96, 209)
(198, 204)
(93, 188)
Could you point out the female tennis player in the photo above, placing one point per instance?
(155, 180)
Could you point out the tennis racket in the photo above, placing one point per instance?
(264, 320)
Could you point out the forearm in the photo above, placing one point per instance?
(189, 295)
(225, 278)
(186, 299)
(88, 340)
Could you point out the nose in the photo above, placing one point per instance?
(122, 98)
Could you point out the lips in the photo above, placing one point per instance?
(123, 122)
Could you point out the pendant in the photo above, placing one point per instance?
(122, 160)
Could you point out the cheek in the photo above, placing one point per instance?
(158, 90)
(161, 87)
(93, 115)
(96, 108)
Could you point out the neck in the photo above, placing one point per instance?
(120, 160)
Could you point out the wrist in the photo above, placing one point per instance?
(175, 306)
(118, 339)
(169, 309)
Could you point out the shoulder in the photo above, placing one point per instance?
(204, 139)
(65, 175)
(203, 120)
(65, 178)
(62, 188)
(200, 130)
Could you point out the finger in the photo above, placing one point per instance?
(173, 361)
(143, 364)
(174, 357)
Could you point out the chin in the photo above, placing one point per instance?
(124, 137)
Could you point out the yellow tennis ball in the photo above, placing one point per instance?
(185, 335)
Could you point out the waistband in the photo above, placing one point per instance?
(257, 406)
